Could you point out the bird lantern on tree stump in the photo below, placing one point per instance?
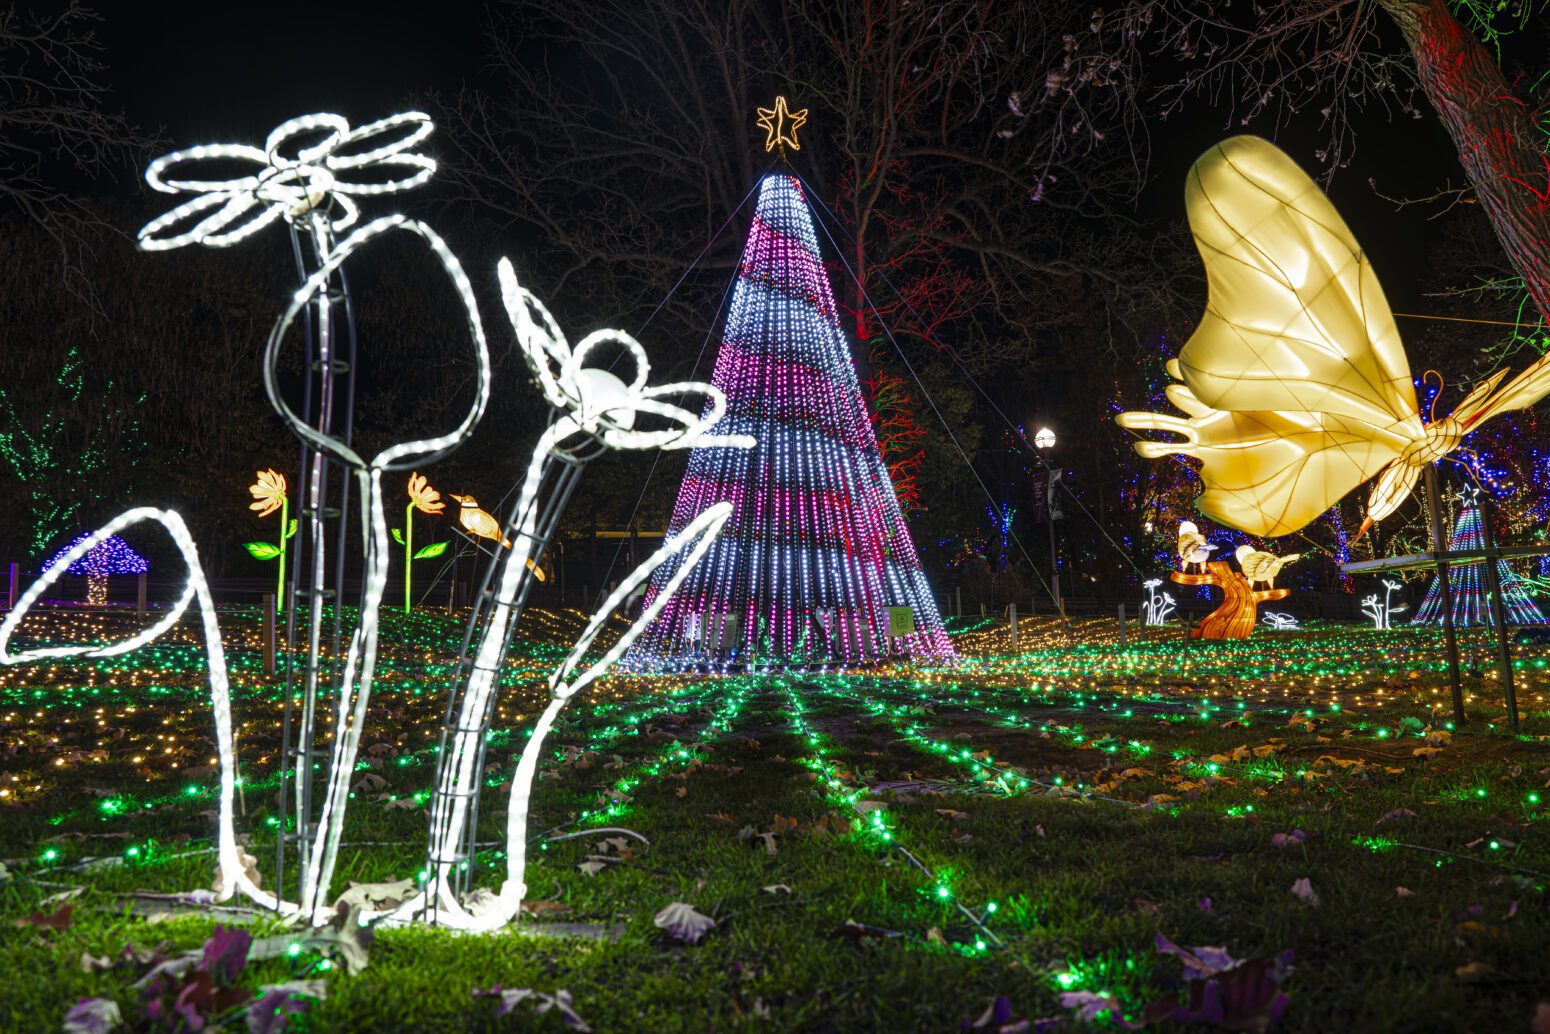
(1235, 618)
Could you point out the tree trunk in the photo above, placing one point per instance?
(1235, 618)
(862, 352)
(1498, 142)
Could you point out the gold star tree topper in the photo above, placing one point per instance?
(781, 124)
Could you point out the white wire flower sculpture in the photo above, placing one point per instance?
(308, 173)
(294, 176)
(594, 405)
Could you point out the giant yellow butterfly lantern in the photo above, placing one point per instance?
(1295, 386)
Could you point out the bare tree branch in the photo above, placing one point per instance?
(54, 125)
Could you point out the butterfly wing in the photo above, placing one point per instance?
(1297, 383)
(1521, 392)
(1267, 473)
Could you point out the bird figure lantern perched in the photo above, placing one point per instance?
(1194, 550)
(1234, 618)
(479, 524)
(1259, 566)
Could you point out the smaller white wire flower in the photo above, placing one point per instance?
(296, 174)
(598, 402)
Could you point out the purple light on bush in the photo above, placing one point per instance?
(111, 556)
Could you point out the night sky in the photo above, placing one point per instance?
(204, 72)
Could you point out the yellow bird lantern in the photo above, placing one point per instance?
(477, 522)
(1194, 550)
(480, 524)
(1259, 566)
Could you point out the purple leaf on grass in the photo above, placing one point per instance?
(1090, 1006)
(226, 953)
(278, 1003)
(998, 1018)
(1248, 997)
(1223, 992)
(1291, 839)
(195, 1002)
(683, 923)
(192, 991)
(1199, 963)
(92, 1016)
(507, 1000)
(996, 1015)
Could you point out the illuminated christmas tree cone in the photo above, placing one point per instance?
(816, 563)
(1471, 604)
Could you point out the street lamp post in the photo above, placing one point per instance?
(1044, 439)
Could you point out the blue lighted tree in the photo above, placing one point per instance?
(817, 561)
(1471, 604)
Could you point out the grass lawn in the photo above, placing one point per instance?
(886, 850)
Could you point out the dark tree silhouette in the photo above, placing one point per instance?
(1327, 56)
(54, 124)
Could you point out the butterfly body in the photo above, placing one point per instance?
(1295, 387)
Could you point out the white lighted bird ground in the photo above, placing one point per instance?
(1194, 550)
(1259, 566)
(1295, 387)
(482, 525)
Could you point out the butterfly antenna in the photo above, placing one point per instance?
(1431, 410)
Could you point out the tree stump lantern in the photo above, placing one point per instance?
(1236, 617)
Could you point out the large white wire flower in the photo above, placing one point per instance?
(305, 162)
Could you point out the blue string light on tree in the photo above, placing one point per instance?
(109, 557)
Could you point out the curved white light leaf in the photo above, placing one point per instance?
(232, 873)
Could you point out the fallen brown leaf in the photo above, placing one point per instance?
(60, 920)
(1476, 973)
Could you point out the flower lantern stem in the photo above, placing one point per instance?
(285, 524)
(408, 550)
